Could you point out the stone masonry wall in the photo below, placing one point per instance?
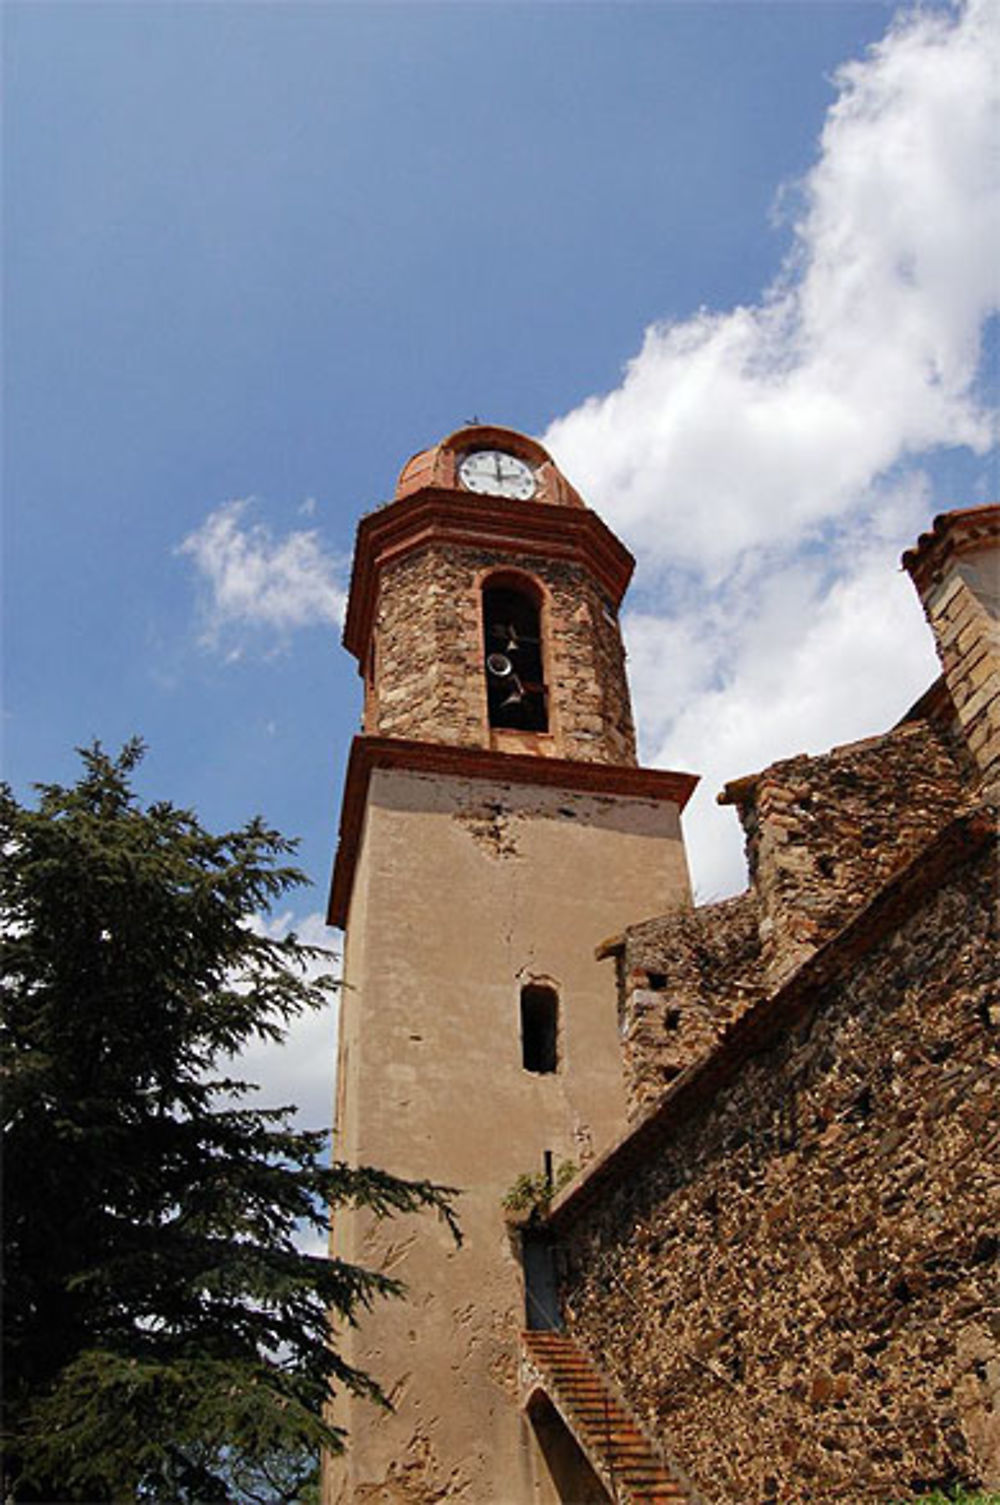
(686, 977)
(823, 834)
(428, 681)
(798, 1290)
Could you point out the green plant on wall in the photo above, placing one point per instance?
(531, 1193)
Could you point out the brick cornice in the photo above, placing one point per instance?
(369, 753)
(952, 534)
(461, 519)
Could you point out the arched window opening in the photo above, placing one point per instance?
(512, 651)
(539, 1028)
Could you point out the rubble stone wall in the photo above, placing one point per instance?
(798, 1291)
(685, 978)
(428, 675)
(823, 834)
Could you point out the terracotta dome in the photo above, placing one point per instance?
(437, 467)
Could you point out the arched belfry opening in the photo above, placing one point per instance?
(513, 657)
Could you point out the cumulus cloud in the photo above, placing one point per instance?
(817, 657)
(765, 462)
(739, 428)
(254, 580)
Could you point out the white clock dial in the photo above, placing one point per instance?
(495, 473)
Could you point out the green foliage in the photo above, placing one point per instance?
(531, 1192)
(163, 1335)
(957, 1496)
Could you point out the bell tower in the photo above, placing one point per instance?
(495, 829)
(483, 607)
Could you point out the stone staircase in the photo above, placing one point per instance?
(626, 1462)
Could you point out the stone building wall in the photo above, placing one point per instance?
(683, 979)
(824, 833)
(428, 669)
(426, 638)
(796, 1285)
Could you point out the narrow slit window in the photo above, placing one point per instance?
(539, 1028)
(512, 649)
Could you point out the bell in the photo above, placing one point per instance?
(499, 665)
(508, 632)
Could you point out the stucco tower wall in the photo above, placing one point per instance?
(464, 891)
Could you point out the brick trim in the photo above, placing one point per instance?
(952, 534)
(368, 753)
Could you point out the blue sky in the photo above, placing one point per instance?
(732, 262)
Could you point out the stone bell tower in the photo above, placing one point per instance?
(495, 829)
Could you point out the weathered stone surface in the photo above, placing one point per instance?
(428, 680)
(824, 833)
(684, 978)
(799, 1291)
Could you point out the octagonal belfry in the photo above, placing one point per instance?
(495, 830)
(455, 589)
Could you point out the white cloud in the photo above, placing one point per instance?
(741, 428)
(301, 1070)
(254, 580)
(765, 462)
(802, 664)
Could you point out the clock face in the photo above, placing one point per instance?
(497, 474)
